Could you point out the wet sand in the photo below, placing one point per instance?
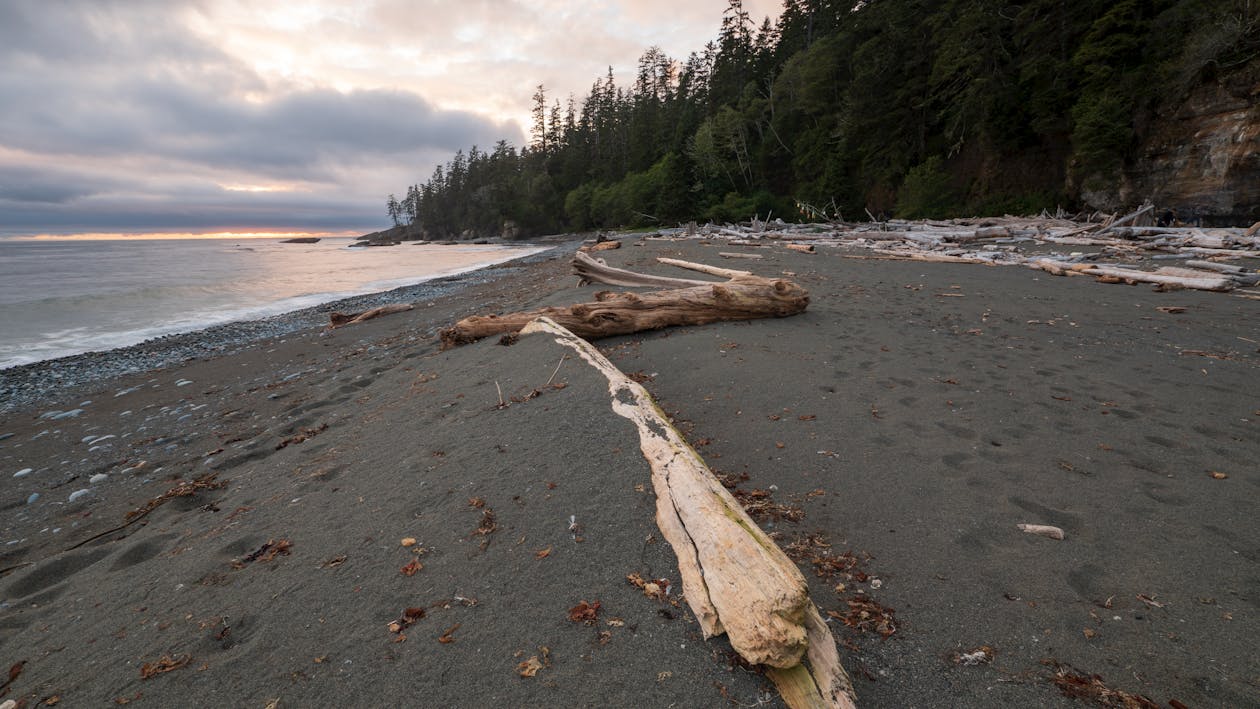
(914, 415)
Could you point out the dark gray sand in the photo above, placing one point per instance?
(914, 416)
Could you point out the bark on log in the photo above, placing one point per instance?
(743, 297)
(734, 577)
(336, 320)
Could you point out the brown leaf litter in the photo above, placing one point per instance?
(1092, 688)
(585, 613)
(164, 664)
(302, 435)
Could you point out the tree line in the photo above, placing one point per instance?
(915, 108)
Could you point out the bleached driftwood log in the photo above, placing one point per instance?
(1136, 276)
(736, 580)
(743, 297)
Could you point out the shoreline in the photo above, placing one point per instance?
(28, 385)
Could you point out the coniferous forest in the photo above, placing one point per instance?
(912, 108)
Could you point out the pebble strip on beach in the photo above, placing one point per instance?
(29, 384)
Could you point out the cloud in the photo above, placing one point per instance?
(137, 114)
(136, 122)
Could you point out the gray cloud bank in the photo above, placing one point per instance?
(116, 116)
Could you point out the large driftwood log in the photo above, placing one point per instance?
(743, 297)
(734, 577)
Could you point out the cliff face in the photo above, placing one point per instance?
(1201, 157)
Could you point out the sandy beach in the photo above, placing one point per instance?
(359, 518)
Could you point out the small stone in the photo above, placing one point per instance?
(78, 495)
(33, 498)
(98, 478)
(22, 473)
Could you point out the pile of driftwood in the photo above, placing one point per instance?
(1128, 249)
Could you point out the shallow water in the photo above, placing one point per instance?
(61, 298)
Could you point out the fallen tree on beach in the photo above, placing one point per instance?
(735, 578)
(743, 296)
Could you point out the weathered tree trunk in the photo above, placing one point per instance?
(734, 577)
(743, 297)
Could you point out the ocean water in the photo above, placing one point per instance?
(64, 297)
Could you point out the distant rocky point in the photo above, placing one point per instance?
(302, 240)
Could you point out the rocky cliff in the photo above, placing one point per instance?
(1199, 157)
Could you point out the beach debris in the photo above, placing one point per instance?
(530, 667)
(486, 527)
(267, 552)
(1171, 309)
(585, 613)
(162, 665)
(734, 577)
(15, 671)
(1091, 687)
(1150, 601)
(336, 320)
(656, 589)
(542, 553)
(867, 616)
(302, 436)
(448, 636)
(408, 618)
(743, 296)
(1042, 530)
(982, 655)
(1126, 250)
(333, 562)
(407, 541)
(411, 567)
(1218, 475)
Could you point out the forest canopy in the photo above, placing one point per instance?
(914, 108)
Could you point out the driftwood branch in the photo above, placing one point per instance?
(743, 297)
(736, 580)
(336, 320)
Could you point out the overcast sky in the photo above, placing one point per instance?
(140, 116)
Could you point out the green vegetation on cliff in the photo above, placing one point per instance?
(917, 108)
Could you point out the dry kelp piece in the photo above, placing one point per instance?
(656, 589)
(409, 617)
(866, 615)
(267, 552)
(411, 567)
(1091, 687)
(586, 613)
(164, 664)
(530, 667)
(486, 527)
(760, 504)
(302, 435)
